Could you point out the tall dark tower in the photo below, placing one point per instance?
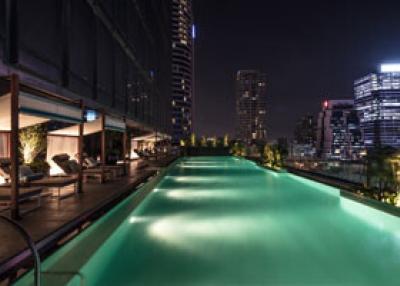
(251, 106)
(182, 68)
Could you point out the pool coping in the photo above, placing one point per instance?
(148, 184)
(378, 205)
(53, 241)
(346, 193)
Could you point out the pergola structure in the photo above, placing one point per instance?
(147, 141)
(23, 106)
(70, 136)
(153, 137)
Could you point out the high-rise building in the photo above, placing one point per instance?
(338, 132)
(251, 106)
(303, 145)
(182, 68)
(377, 99)
(305, 130)
(114, 55)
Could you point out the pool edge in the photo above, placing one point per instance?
(375, 204)
(54, 241)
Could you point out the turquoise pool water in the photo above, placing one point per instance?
(225, 221)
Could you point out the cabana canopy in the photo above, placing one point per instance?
(138, 125)
(73, 131)
(35, 110)
(65, 140)
(152, 137)
(22, 106)
(114, 124)
(92, 127)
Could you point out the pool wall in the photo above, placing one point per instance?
(347, 193)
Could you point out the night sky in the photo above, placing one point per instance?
(310, 51)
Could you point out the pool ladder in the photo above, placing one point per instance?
(36, 258)
(31, 244)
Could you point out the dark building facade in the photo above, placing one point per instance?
(114, 55)
(182, 69)
(305, 130)
(251, 106)
(377, 98)
(338, 133)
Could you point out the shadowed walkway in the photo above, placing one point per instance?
(58, 218)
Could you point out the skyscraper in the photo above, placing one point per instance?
(251, 106)
(377, 98)
(305, 130)
(182, 68)
(338, 132)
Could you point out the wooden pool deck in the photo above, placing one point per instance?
(58, 220)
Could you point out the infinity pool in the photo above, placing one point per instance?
(226, 221)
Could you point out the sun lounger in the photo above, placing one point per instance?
(71, 167)
(58, 183)
(25, 172)
(5, 169)
(90, 164)
(30, 178)
(25, 194)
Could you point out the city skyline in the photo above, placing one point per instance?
(199, 142)
(319, 48)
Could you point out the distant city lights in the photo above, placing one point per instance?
(193, 31)
(390, 68)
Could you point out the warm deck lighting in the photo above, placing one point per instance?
(134, 155)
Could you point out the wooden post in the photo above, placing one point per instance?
(124, 147)
(103, 145)
(14, 142)
(155, 145)
(80, 148)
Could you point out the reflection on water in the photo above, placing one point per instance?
(225, 221)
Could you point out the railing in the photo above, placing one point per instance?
(29, 241)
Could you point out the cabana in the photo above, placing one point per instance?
(23, 106)
(66, 141)
(148, 142)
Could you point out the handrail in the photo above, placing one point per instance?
(31, 244)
